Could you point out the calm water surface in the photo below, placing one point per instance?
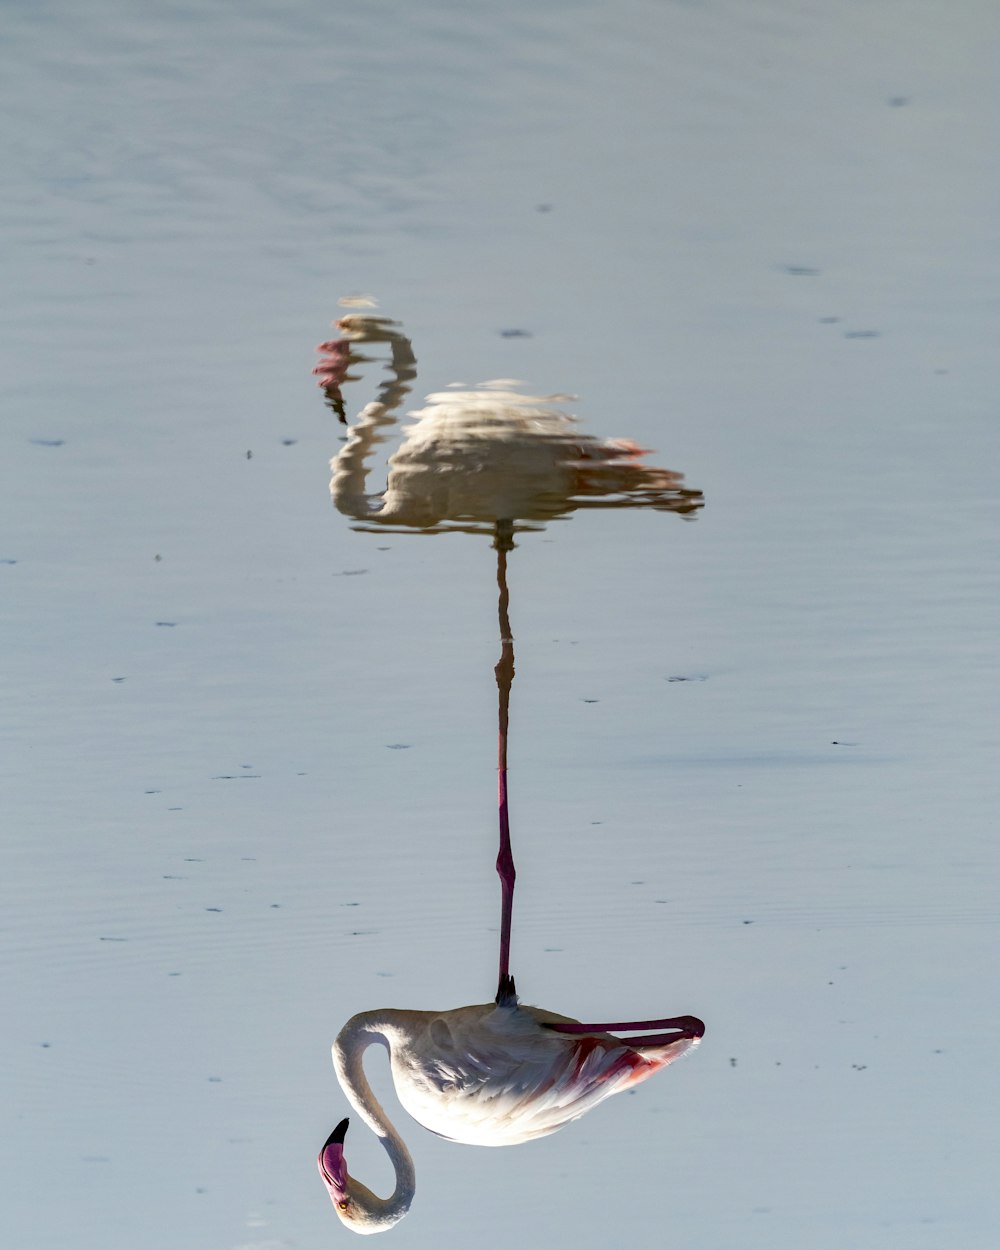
(248, 751)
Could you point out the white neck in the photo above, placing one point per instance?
(354, 1038)
(350, 467)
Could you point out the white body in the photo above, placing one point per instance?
(475, 457)
(493, 1076)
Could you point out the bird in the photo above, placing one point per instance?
(491, 1074)
(502, 1072)
(472, 457)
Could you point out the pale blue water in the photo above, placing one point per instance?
(214, 854)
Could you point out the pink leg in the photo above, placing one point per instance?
(505, 868)
(506, 994)
(686, 1026)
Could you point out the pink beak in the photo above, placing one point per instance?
(332, 1167)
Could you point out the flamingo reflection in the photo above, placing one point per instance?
(503, 1072)
(476, 457)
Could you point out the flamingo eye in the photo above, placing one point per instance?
(343, 1205)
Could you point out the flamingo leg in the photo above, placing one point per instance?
(506, 994)
(505, 869)
(685, 1026)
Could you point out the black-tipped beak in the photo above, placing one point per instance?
(336, 1138)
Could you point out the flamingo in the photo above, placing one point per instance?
(491, 1074)
(475, 457)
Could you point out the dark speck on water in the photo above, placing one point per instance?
(399, 746)
(862, 334)
(515, 334)
(49, 442)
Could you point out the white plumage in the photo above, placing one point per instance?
(486, 1075)
(493, 1075)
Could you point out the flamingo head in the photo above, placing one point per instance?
(358, 1208)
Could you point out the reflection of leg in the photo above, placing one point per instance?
(684, 1026)
(504, 540)
(505, 869)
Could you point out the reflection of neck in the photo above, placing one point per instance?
(348, 1050)
(350, 468)
(350, 472)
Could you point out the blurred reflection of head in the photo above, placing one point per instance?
(473, 458)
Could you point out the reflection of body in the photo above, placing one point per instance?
(495, 1074)
(474, 457)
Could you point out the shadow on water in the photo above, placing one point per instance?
(487, 461)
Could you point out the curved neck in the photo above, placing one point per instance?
(354, 1038)
(350, 465)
